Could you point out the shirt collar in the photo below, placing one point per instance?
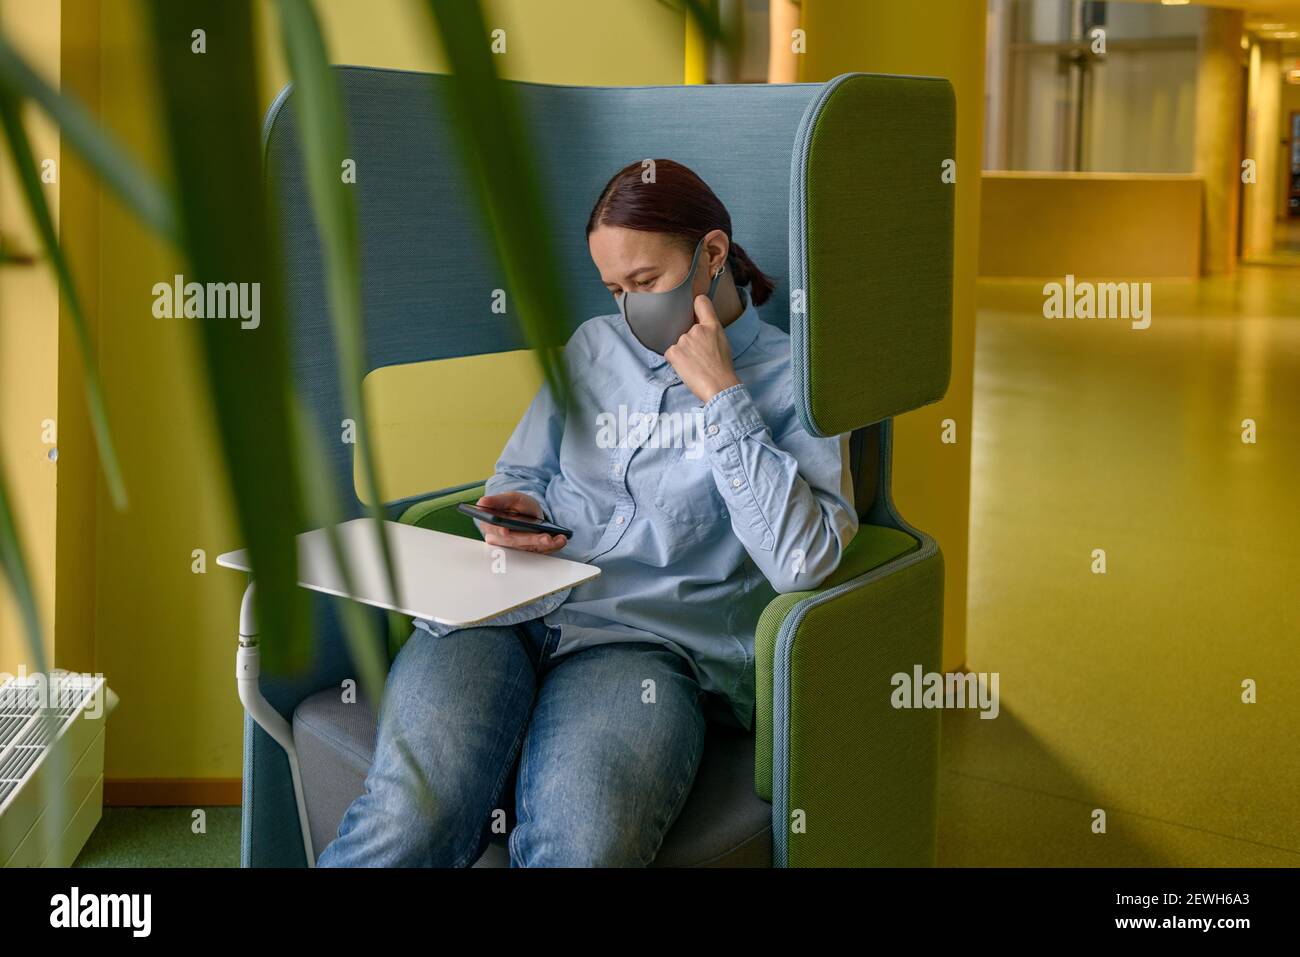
(741, 333)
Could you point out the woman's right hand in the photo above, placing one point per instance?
(510, 538)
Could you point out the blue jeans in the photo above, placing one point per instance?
(608, 740)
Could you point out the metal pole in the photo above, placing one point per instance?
(248, 668)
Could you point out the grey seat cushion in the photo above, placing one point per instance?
(724, 823)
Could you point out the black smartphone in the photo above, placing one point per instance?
(516, 521)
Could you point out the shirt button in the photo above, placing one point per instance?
(713, 430)
(735, 483)
(619, 520)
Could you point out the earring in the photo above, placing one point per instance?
(719, 272)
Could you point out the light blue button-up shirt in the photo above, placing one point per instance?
(696, 514)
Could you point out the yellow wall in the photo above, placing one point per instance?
(29, 352)
(164, 636)
(931, 480)
(613, 42)
(74, 609)
(1051, 224)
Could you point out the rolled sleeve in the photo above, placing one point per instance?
(784, 495)
(728, 416)
(531, 457)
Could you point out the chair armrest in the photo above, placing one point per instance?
(832, 754)
(439, 513)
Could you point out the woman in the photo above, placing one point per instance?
(685, 476)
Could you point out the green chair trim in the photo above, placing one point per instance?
(857, 773)
(439, 513)
(872, 547)
(871, 335)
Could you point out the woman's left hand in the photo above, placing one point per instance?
(702, 356)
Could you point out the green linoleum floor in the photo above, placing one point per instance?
(162, 837)
(1123, 691)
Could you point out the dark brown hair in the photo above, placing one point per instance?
(677, 202)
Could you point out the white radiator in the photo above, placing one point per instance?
(51, 766)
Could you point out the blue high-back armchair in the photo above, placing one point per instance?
(838, 190)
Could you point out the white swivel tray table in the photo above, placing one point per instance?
(441, 577)
(444, 578)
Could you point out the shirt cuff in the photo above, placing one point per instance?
(728, 416)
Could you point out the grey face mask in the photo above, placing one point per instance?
(658, 319)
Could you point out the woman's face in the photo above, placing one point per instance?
(636, 260)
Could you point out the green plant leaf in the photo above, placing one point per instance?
(25, 164)
(322, 128)
(497, 157)
(102, 154)
(212, 125)
(362, 638)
